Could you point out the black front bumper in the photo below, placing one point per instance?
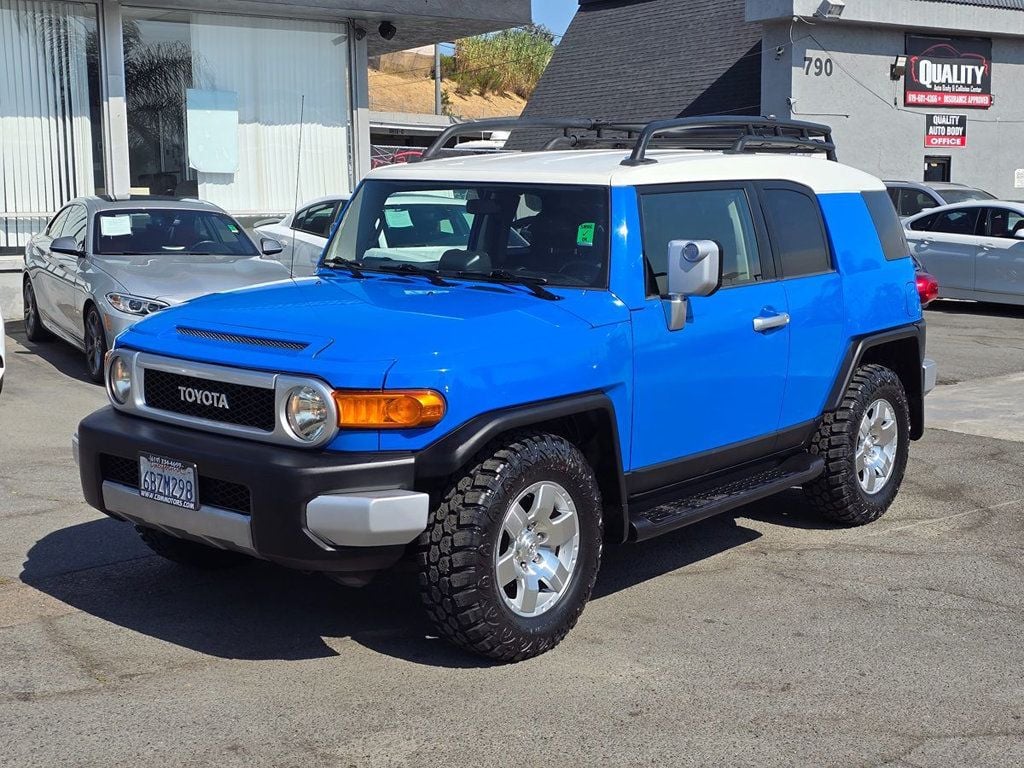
(271, 484)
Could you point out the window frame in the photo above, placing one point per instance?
(769, 268)
(84, 212)
(50, 232)
(763, 186)
(986, 228)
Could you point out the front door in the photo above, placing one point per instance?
(947, 245)
(999, 267)
(718, 381)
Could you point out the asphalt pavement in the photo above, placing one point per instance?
(759, 638)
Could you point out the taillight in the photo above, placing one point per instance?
(927, 288)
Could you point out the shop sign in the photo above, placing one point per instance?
(943, 131)
(948, 72)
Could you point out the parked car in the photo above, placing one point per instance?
(975, 250)
(621, 345)
(303, 234)
(911, 197)
(101, 264)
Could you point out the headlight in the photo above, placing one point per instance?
(120, 380)
(307, 413)
(134, 305)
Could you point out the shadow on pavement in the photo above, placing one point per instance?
(65, 358)
(260, 611)
(946, 306)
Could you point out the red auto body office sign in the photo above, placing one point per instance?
(948, 72)
(943, 131)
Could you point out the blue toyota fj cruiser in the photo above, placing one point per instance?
(506, 360)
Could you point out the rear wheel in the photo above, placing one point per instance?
(510, 557)
(188, 553)
(865, 444)
(34, 328)
(95, 344)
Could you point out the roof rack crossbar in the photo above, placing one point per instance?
(505, 124)
(744, 131)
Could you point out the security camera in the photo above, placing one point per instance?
(387, 30)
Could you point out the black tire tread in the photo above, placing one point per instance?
(835, 494)
(447, 550)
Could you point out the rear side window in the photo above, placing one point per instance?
(913, 201)
(316, 219)
(924, 224)
(963, 221)
(887, 225)
(797, 231)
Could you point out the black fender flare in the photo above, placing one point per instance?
(446, 456)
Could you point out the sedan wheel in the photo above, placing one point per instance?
(95, 345)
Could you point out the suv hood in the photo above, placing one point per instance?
(353, 331)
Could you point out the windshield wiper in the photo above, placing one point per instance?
(431, 274)
(348, 264)
(535, 284)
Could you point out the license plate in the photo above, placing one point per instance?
(169, 481)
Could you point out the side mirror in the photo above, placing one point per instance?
(1018, 234)
(68, 246)
(270, 247)
(694, 269)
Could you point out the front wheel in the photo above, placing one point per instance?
(510, 557)
(95, 344)
(865, 444)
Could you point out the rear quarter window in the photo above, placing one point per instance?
(887, 225)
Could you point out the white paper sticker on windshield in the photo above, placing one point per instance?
(115, 226)
(397, 218)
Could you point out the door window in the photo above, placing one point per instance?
(962, 221)
(57, 224)
(316, 219)
(797, 231)
(1002, 222)
(721, 215)
(75, 225)
(887, 224)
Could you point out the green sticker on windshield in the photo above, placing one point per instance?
(585, 234)
(233, 228)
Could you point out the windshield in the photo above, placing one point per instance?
(964, 195)
(167, 231)
(552, 234)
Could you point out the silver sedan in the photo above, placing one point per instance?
(975, 250)
(103, 264)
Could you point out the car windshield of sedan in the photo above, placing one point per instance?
(964, 195)
(156, 231)
(546, 234)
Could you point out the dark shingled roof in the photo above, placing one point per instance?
(639, 60)
(1010, 5)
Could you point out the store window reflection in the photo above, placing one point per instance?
(214, 105)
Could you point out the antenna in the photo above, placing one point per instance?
(298, 171)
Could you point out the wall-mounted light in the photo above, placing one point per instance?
(360, 33)
(898, 68)
(830, 9)
(387, 30)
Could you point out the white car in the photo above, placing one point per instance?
(304, 234)
(975, 250)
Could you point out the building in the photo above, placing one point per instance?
(914, 89)
(249, 106)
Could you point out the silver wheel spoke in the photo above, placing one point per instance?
(552, 572)
(887, 432)
(529, 591)
(506, 569)
(515, 521)
(543, 503)
(559, 531)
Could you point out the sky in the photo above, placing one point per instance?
(554, 14)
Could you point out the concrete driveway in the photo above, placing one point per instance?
(763, 638)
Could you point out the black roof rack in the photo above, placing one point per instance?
(728, 133)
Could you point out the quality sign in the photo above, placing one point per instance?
(948, 72)
(945, 131)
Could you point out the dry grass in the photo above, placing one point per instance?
(402, 93)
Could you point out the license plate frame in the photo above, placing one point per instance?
(169, 481)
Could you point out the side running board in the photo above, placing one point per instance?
(730, 493)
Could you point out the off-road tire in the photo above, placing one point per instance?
(837, 494)
(189, 553)
(35, 331)
(455, 554)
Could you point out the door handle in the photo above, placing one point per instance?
(762, 324)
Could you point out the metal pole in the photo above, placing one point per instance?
(437, 79)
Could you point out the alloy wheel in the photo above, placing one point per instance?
(877, 440)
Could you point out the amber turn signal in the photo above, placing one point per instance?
(397, 409)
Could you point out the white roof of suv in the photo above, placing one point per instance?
(603, 167)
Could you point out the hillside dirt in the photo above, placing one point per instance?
(403, 93)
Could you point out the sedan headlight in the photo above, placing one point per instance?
(134, 305)
(307, 413)
(119, 379)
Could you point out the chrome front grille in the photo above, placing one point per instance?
(235, 338)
